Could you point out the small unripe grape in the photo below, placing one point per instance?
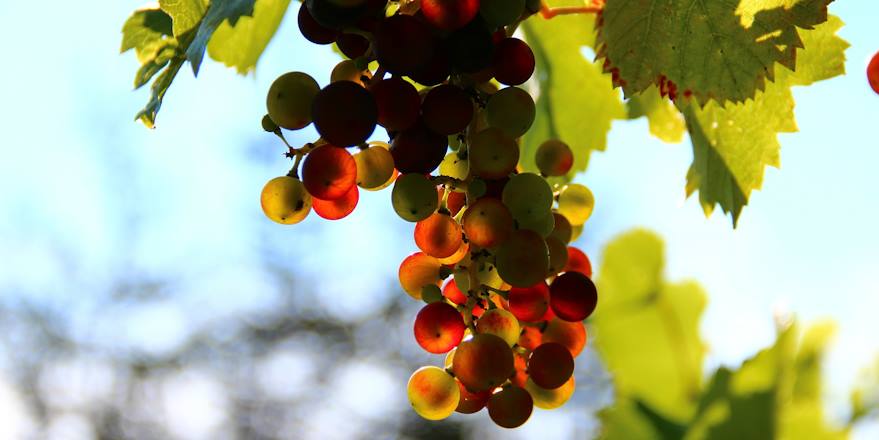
(558, 255)
(268, 124)
(439, 328)
(431, 293)
(511, 407)
(554, 158)
(285, 200)
(454, 167)
(500, 323)
(512, 110)
(290, 98)
(550, 398)
(433, 393)
(576, 203)
(561, 229)
(414, 197)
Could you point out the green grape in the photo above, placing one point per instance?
(284, 200)
(347, 70)
(461, 275)
(554, 158)
(542, 225)
(431, 293)
(523, 260)
(375, 167)
(433, 393)
(501, 323)
(476, 189)
(289, 100)
(454, 167)
(414, 197)
(268, 124)
(511, 110)
(550, 398)
(493, 154)
(499, 13)
(528, 197)
(576, 203)
(558, 255)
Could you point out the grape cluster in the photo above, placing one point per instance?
(506, 294)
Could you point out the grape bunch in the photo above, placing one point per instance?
(505, 293)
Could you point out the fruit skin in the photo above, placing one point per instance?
(873, 73)
(550, 365)
(439, 327)
(433, 393)
(483, 363)
(284, 200)
(501, 323)
(449, 14)
(573, 296)
(417, 271)
(511, 407)
(550, 399)
(351, 125)
(414, 197)
(289, 100)
(554, 158)
(329, 172)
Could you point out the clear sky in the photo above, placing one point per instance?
(87, 194)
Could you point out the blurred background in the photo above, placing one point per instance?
(144, 295)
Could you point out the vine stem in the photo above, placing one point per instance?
(548, 12)
(298, 154)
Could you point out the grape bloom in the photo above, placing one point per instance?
(506, 293)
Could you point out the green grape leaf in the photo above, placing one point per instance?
(218, 12)
(641, 316)
(733, 143)
(664, 119)
(241, 45)
(144, 30)
(710, 50)
(577, 102)
(185, 14)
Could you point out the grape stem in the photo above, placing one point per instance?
(298, 154)
(450, 182)
(548, 12)
(502, 293)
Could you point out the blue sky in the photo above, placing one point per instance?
(88, 195)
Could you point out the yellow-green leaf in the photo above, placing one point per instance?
(241, 45)
(664, 119)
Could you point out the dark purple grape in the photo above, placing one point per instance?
(447, 109)
(403, 44)
(398, 103)
(418, 149)
(314, 31)
(352, 45)
(470, 48)
(513, 62)
(344, 113)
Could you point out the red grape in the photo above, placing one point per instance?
(511, 407)
(447, 109)
(471, 402)
(570, 334)
(338, 208)
(438, 235)
(513, 62)
(329, 172)
(439, 327)
(418, 149)
(398, 103)
(572, 296)
(351, 126)
(873, 72)
(578, 262)
(550, 365)
(449, 14)
(483, 363)
(529, 303)
(403, 44)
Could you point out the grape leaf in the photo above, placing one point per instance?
(218, 12)
(577, 102)
(641, 316)
(710, 50)
(733, 143)
(144, 30)
(241, 45)
(666, 122)
(185, 14)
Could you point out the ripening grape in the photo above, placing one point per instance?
(347, 70)
(487, 222)
(456, 200)
(511, 407)
(337, 208)
(418, 149)
(414, 197)
(530, 338)
(471, 47)
(439, 328)
(500, 323)
(513, 62)
(403, 44)
(561, 229)
(352, 45)
(528, 197)
(520, 369)
(576, 203)
(433, 393)
(290, 98)
(572, 296)
(541, 225)
(501, 12)
(375, 167)
(578, 262)
(530, 303)
(329, 172)
(873, 72)
(523, 259)
(512, 110)
(447, 109)
(398, 103)
(351, 126)
(570, 334)
(471, 402)
(554, 158)
(493, 154)
(550, 365)
(459, 254)
(417, 271)
(438, 235)
(454, 166)
(285, 200)
(550, 399)
(483, 362)
(314, 31)
(449, 14)
(558, 255)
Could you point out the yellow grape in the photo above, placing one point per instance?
(576, 203)
(433, 393)
(501, 323)
(454, 167)
(285, 200)
(289, 100)
(375, 167)
(347, 70)
(417, 271)
(550, 399)
(414, 197)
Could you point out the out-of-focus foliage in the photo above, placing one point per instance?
(647, 333)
